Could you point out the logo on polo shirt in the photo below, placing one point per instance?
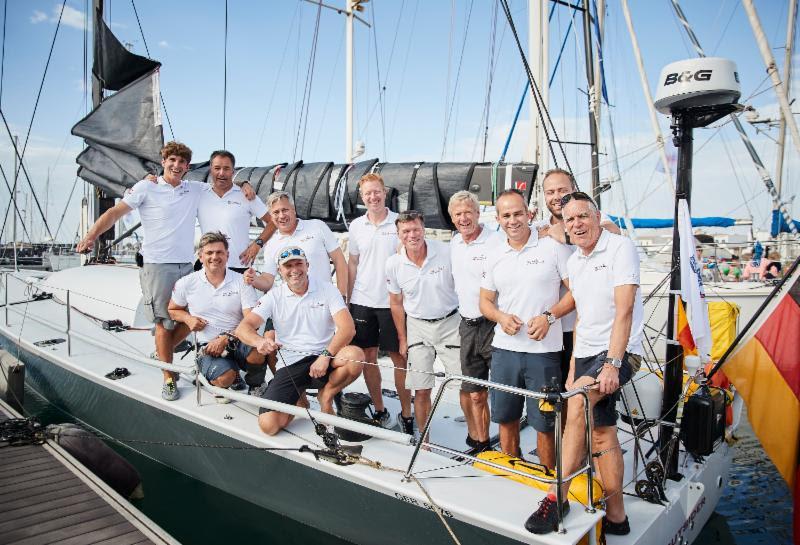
(481, 257)
(598, 268)
(437, 270)
(306, 238)
(534, 261)
(237, 203)
(317, 304)
(229, 293)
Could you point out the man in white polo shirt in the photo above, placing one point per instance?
(520, 292)
(468, 251)
(420, 282)
(225, 208)
(604, 281)
(168, 208)
(312, 332)
(372, 240)
(212, 302)
(313, 236)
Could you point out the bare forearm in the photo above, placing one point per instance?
(267, 231)
(489, 310)
(399, 319)
(247, 334)
(103, 224)
(179, 315)
(620, 333)
(263, 282)
(564, 306)
(340, 264)
(352, 267)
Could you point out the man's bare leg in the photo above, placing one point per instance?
(469, 416)
(546, 448)
(509, 438)
(422, 407)
(611, 468)
(480, 415)
(225, 379)
(346, 370)
(372, 377)
(399, 363)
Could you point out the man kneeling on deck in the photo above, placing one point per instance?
(212, 302)
(604, 281)
(312, 330)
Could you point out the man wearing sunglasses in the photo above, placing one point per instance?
(312, 332)
(424, 306)
(313, 236)
(604, 282)
(520, 293)
(557, 184)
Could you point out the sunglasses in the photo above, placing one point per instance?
(578, 196)
(296, 252)
(409, 215)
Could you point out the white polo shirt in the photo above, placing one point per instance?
(592, 279)
(231, 215)
(316, 240)
(428, 291)
(220, 307)
(168, 218)
(527, 283)
(467, 263)
(373, 244)
(303, 323)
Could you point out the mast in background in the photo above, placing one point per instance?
(593, 114)
(14, 197)
(538, 60)
(787, 78)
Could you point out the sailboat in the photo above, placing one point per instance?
(77, 330)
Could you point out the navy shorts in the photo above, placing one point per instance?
(605, 410)
(213, 367)
(476, 351)
(374, 328)
(291, 380)
(523, 370)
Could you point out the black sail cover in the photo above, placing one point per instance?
(124, 136)
(114, 65)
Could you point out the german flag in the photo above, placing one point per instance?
(765, 368)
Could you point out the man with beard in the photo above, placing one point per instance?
(372, 240)
(468, 250)
(312, 332)
(212, 302)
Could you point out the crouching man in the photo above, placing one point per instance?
(312, 330)
(212, 302)
(604, 281)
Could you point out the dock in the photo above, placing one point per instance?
(46, 496)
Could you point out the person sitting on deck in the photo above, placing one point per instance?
(604, 282)
(312, 330)
(212, 302)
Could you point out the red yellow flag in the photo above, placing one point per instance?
(765, 369)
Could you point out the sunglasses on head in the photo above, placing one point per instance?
(297, 252)
(409, 215)
(578, 196)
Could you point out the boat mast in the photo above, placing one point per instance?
(648, 96)
(538, 45)
(787, 73)
(348, 91)
(14, 197)
(589, 62)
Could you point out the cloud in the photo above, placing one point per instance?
(70, 17)
(38, 17)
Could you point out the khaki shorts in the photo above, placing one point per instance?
(426, 341)
(157, 281)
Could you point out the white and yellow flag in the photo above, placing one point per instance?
(692, 291)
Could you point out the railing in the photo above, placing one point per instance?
(556, 399)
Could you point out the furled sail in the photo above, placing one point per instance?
(123, 136)
(114, 65)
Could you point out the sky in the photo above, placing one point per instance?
(421, 80)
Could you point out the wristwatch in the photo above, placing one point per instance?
(326, 352)
(550, 318)
(616, 363)
(259, 242)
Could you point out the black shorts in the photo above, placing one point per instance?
(476, 351)
(605, 410)
(566, 355)
(290, 381)
(374, 328)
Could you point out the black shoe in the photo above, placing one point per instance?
(406, 424)
(472, 443)
(616, 528)
(479, 446)
(545, 519)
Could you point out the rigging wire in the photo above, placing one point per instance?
(147, 50)
(3, 51)
(305, 105)
(334, 73)
(381, 86)
(225, 80)
(449, 113)
(484, 124)
(405, 67)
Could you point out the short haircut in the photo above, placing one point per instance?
(463, 196)
(371, 177)
(222, 153)
(210, 238)
(176, 148)
(566, 173)
(508, 192)
(278, 195)
(410, 215)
